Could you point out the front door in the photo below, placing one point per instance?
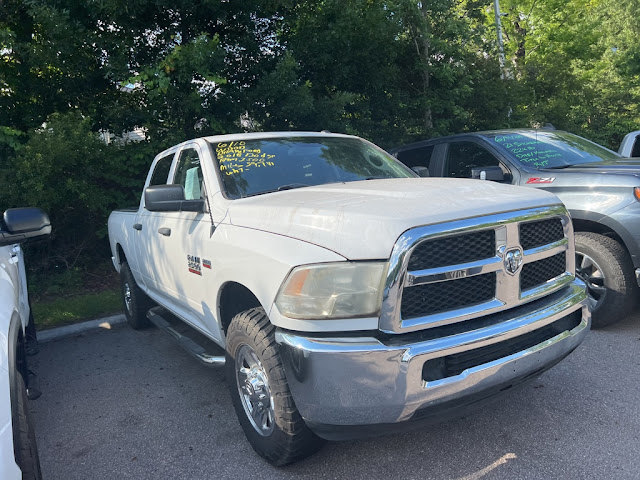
(186, 233)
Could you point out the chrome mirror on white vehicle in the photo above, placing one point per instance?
(20, 224)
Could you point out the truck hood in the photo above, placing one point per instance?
(362, 220)
(622, 166)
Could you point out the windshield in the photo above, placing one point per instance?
(252, 167)
(550, 149)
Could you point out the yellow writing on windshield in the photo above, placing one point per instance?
(236, 157)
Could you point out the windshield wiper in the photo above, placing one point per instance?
(291, 186)
(558, 167)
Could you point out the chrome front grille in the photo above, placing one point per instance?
(456, 271)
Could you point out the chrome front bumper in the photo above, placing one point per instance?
(360, 381)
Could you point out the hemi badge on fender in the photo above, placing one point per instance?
(193, 263)
(206, 263)
(541, 180)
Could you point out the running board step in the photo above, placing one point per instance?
(164, 320)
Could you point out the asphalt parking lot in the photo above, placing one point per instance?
(130, 404)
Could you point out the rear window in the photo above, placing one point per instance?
(253, 167)
(416, 157)
(161, 171)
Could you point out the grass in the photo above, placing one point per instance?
(74, 295)
(76, 308)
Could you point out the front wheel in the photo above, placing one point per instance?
(604, 265)
(24, 437)
(260, 394)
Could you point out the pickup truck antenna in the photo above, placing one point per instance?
(213, 226)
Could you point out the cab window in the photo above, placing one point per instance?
(635, 151)
(464, 156)
(189, 174)
(161, 171)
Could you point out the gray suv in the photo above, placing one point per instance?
(600, 188)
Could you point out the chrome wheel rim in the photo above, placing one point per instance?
(254, 391)
(126, 291)
(588, 270)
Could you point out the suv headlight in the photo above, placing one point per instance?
(333, 290)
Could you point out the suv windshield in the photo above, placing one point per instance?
(252, 167)
(550, 149)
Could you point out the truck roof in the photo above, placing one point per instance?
(232, 137)
(502, 131)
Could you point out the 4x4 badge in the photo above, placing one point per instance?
(512, 260)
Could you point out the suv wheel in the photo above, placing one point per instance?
(604, 265)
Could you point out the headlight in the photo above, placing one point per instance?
(333, 290)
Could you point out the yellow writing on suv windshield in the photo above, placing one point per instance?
(235, 157)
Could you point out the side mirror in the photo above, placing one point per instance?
(21, 224)
(421, 171)
(170, 198)
(493, 173)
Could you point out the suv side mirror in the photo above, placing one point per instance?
(493, 173)
(21, 224)
(421, 171)
(170, 198)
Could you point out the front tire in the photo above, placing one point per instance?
(260, 394)
(25, 447)
(135, 303)
(604, 265)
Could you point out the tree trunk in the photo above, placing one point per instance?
(423, 46)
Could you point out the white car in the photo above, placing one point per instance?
(18, 450)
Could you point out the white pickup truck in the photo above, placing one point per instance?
(630, 145)
(350, 297)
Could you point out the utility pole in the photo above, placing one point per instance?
(496, 8)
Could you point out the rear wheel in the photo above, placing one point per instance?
(261, 396)
(135, 302)
(604, 265)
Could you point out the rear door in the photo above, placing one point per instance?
(150, 245)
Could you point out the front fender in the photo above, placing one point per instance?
(624, 223)
(260, 261)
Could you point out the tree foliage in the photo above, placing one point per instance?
(576, 63)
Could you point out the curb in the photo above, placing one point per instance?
(69, 330)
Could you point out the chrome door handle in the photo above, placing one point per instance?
(164, 231)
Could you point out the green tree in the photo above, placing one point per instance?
(390, 71)
(67, 170)
(575, 63)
